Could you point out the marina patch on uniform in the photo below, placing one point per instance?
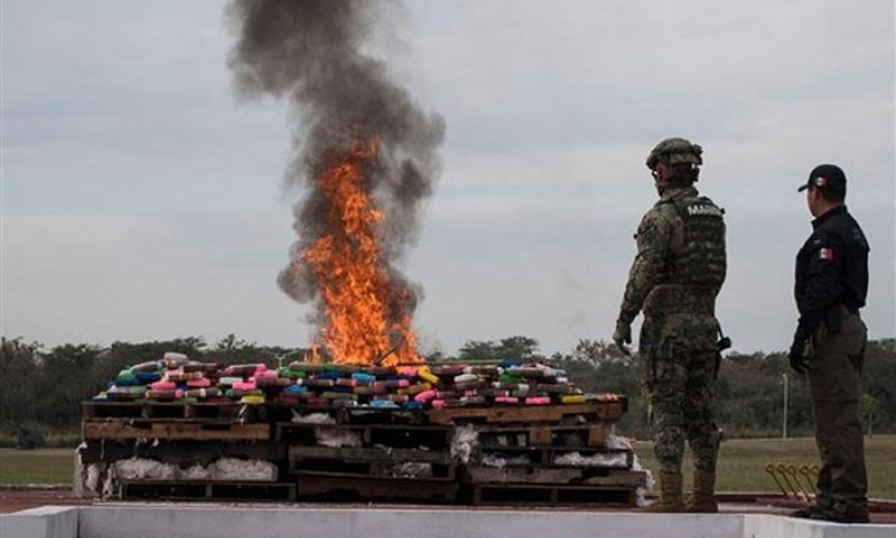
(826, 254)
(704, 210)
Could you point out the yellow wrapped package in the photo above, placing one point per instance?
(426, 375)
(252, 399)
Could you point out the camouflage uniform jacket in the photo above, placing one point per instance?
(679, 269)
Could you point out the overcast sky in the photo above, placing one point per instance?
(142, 200)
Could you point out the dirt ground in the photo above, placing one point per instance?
(15, 499)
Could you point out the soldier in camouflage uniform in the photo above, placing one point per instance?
(674, 280)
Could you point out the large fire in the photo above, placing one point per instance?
(360, 300)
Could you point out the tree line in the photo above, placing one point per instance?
(42, 389)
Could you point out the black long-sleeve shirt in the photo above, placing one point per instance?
(831, 268)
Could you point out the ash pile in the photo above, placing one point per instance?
(500, 433)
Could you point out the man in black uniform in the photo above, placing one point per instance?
(831, 285)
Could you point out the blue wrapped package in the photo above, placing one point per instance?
(295, 390)
(146, 378)
(361, 377)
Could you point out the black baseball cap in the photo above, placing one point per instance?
(829, 178)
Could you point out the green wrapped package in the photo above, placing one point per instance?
(289, 373)
(510, 378)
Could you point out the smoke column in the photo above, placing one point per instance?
(309, 53)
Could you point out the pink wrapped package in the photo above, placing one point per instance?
(425, 396)
(201, 383)
(438, 404)
(163, 385)
(249, 385)
(538, 400)
(266, 373)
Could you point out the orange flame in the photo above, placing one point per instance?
(356, 289)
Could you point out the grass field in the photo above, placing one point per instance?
(43, 467)
(741, 464)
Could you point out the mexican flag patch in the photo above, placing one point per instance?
(826, 254)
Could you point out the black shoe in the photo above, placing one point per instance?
(836, 516)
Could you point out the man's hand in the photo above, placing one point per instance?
(622, 336)
(798, 359)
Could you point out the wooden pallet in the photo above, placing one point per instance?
(593, 412)
(351, 415)
(171, 411)
(202, 431)
(181, 452)
(619, 478)
(393, 435)
(244, 491)
(342, 487)
(299, 453)
(372, 462)
(553, 495)
(570, 435)
(547, 457)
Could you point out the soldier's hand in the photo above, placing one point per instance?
(622, 336)
(798, 359)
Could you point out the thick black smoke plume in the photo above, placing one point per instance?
(309, 52)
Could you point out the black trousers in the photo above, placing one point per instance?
(835, 380)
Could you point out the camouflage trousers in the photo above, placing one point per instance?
(678, 384)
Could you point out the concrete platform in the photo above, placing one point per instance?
(132, 520)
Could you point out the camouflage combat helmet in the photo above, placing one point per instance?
(674, 151)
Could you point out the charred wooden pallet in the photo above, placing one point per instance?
(594, 412)
(179, 451)
(341, 487)
(392, 435)
(619, 478)
(226, 410)
(361, 414)
(198, 431)
(527, 456)
(553, 495)
(409, 464)
(195, 490)
(375, 454)
(542, 435)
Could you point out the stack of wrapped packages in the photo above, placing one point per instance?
(178, 379)
(425, 386)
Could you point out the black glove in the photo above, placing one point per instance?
(798, 359)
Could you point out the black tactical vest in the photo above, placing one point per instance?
(700, 259)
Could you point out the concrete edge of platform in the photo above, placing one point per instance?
(41, 522)
(773, 526)
(138, 521)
